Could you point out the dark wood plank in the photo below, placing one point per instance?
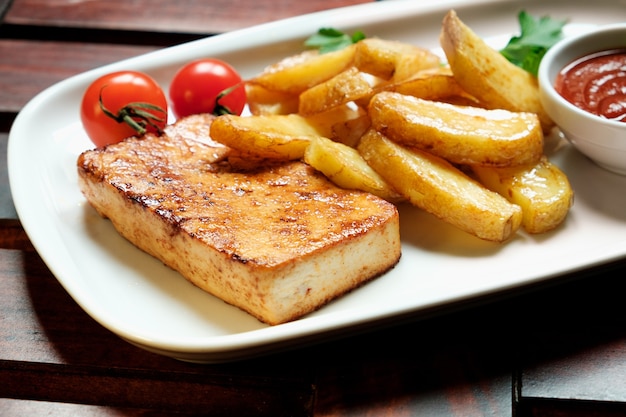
(185, 16)
(4, 6)
(20, 408)
(571, 363)
(51, 350)
(12, 236)
(163, 391)
(578, 352)
(441, 367)
(7, 209)
(569, 408)
(29, 67)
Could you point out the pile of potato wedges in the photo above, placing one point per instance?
(462, 140)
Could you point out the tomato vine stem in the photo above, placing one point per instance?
(219, 108)
(137, 115)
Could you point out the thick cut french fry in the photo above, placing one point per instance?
(345, 167)
(345, 123)
(460, 134)
(262, 101)
(486, 74)
(345, 87)
(409, 65)
(389, 59)
(542, 190)
(436, 186)
(433, 84)
(283, 137)
(300, 72)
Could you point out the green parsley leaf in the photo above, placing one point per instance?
(329, 39)
(537, 36)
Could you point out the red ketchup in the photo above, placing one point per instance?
(596, 83)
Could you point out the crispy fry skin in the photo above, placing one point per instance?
(542, 190)
(345, 123)
(349, 85)
(430, 84)
(460, 134)
(436, 186)
(302, 71)
(392, 60)
(281, 137)
(487, 75)
(262, 101)
(344, 166)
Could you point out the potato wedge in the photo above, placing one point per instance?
(409, 65)
(487, 75)
(262, 101)
(347, 86)
(460, 134)
(432, 84)
(436, 186)
(283, 137)
(345, 123)
(302, 71)
(389, 59)
(542, 190)
(349, 131)
(345, 167)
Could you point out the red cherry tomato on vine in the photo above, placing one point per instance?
(122, 104)
(207, 86)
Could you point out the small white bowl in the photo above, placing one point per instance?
(601, 139)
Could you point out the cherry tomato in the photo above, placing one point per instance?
(207, 86)
(122, 104)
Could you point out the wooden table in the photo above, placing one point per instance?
(554, 350)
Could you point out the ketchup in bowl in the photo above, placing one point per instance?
(596, 83)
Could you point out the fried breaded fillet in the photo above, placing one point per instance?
(278, 241)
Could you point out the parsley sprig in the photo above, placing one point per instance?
(329, 39)
(536, 37)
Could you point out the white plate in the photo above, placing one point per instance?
(149, 305)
